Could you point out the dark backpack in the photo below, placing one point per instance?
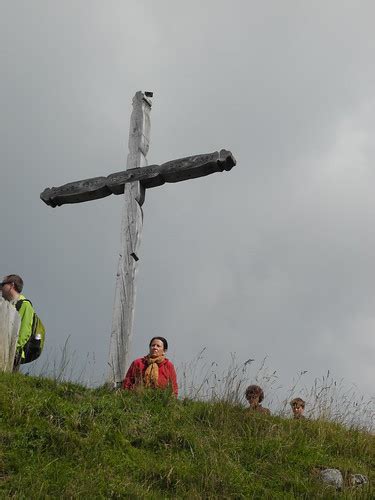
(34, 346)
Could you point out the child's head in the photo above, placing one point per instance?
(254, 394)
(298, 407)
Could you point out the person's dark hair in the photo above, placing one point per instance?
(297, 402)
(16, 280)
(165, 343)
(254, 390)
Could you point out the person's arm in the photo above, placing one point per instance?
(173, 378)
(26, 313)
(129, 379)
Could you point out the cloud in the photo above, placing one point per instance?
(272, 258)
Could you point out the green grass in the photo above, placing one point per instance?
(64, 440)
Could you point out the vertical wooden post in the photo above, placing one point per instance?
(131, 229)
(10, 322)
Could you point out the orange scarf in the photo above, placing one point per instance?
(151, 375)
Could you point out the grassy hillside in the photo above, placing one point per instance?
(63, 440)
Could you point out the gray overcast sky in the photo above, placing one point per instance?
(274, 258)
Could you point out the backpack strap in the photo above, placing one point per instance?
(20, 302)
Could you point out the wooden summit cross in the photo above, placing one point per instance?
(133, 182)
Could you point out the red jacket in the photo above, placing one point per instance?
(167, 375)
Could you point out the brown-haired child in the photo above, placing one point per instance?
(255, 395)
(298, 407)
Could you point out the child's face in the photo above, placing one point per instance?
(298, 410)
(253, 400)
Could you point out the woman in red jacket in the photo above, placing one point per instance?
(153, 370)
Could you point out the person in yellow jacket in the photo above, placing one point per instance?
(11, 288)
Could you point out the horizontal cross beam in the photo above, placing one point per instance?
(150, 176)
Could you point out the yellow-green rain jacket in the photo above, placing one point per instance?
(27, 316)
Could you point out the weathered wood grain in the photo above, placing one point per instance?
(10, 322)
(150, 176)
(131, 229)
